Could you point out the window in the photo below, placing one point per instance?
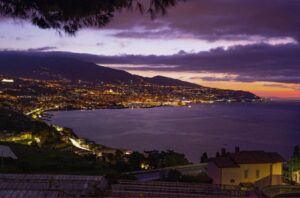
(257, 173)
(246, 173)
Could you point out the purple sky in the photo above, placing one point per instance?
(249, 44)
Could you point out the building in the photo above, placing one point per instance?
(254, 168)
(34, 185)
(296, 176)
(6, 80)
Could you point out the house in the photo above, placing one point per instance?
(257, 168)
(296, 176)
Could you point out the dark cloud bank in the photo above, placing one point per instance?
(261, 62)
(216, 19)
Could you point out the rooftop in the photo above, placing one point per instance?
(233, 160)
(35, 185)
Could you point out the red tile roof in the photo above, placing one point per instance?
(232, 160)
(225, 162)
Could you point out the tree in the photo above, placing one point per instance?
(163, 159)
(71, 15)
(135, 160)
(223, 152)
(296, 152)
(204, 158)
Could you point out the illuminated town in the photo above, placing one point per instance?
(33, 97)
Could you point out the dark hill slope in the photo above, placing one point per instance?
(161, 80)
(52, 67)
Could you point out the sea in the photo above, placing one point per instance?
(270, 126)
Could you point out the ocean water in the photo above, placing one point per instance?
(273, 126)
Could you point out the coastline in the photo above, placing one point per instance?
(207, 129)
(158, 106)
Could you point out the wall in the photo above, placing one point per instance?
(277, 173)
(235, 176)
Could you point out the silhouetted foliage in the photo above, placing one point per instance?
(176, 176)
(163, 159)
(296, 152)
(147, 160)
(33, 159)
(71, 15)
(294, 163)
(223, 152)
(237, 149)
(135, 160)
(204, 158)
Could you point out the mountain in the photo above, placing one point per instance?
(49, 67)
(45, 66)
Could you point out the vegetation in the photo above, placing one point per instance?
(292, 165)
(176, 176)
(294, 162)
(17, 127)
(33, 159)
(204, 158)
(71, 15)
(163, 159)
(147, 160)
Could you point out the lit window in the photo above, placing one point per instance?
(257, 173)
(246, 172)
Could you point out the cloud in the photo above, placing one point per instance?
(277, 85)
(285, 86)
(250, 63)
(122, 44)
(216, 20)
(100, 44)
(260, 62)
(46, 48)
(211, 78)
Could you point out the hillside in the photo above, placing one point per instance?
(45, 66)
(17, 127)
(49, 66)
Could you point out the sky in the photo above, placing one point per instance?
(248, 45)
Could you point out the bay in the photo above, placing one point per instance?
(272, 126)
